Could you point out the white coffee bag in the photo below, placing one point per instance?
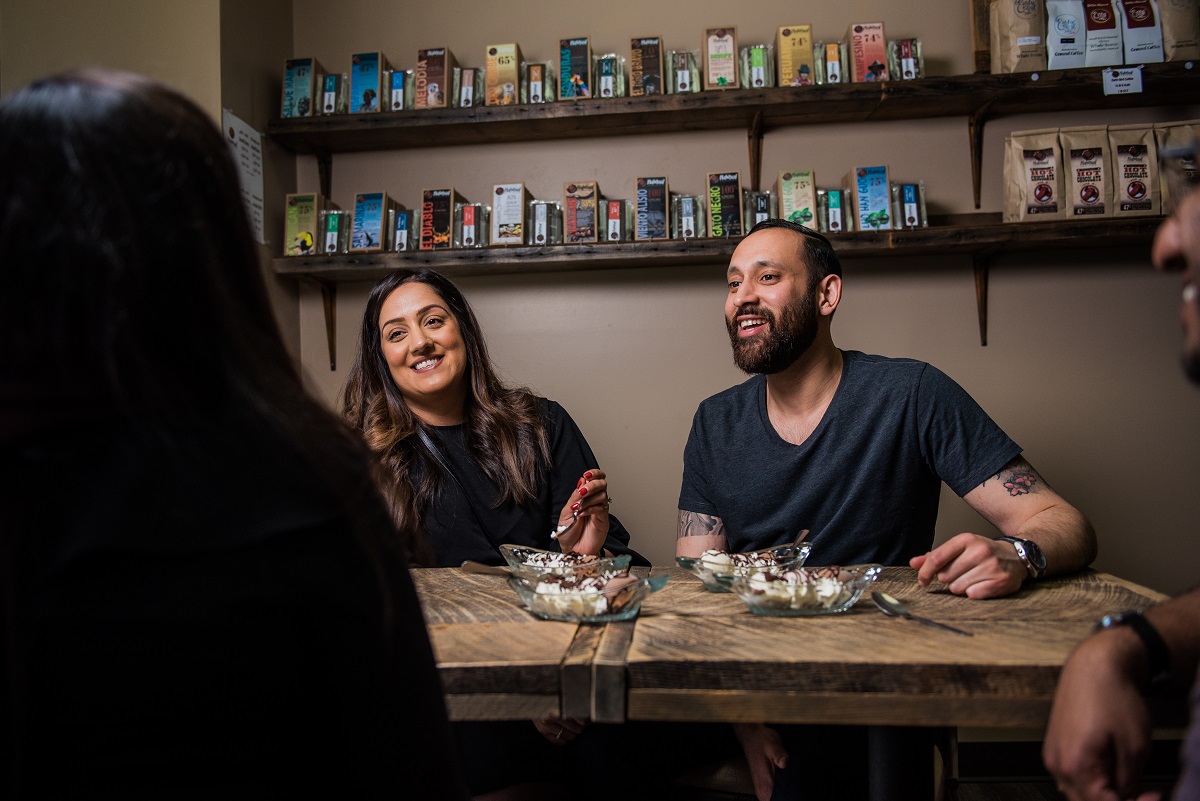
(1066, 34)
(1141, 31)
(1103, 34)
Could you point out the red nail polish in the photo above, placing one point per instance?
(579, 483)
(587, 476)
(583, 490)
(575, 506)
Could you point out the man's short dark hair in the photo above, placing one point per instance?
(818, 252)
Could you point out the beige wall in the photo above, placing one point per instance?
(1081, 362)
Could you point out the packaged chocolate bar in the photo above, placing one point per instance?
(794, 46)
(652, 199)
(905, 62)
(757, 207)
(437, 217)
(831, 62)
(502, 75)
(302, 221)
(508, 213)
(608, 75)
(468, 87)
(646, 73)
(544, 221)
(581, 209)
(797, 190)
(471, 226)
(870, 198)
(720, 58)
(758, 66)
(366, 81)
(434, 76)
(725, 204)
(300, 87)
(401, 91)
(617, 214)
(405, 229)
(833, 211)
(575, 66)
(334, 93)
(538, 84)
(908, 205)
(370, 230)
(684, 75)
(687, 217)
(335, 225)
(868, 52)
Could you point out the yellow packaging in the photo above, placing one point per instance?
(795, 48)
(502, 75)
(868, 52)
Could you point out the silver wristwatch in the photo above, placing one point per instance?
(1030, 554)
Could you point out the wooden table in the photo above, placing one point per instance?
(694, 655)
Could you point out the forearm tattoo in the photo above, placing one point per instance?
(694, 524)
(1019, 478)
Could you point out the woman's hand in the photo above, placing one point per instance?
(559, 731)
(590, 499)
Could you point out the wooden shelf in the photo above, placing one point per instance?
(1169, 84)
(975, 234)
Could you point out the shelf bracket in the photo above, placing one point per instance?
(329, 303)
(325, 173)
(981, 262)
(754, 140)
(975, 125)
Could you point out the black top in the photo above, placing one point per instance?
(454, 523)
(207, 625)
(866, 482)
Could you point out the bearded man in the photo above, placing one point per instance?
(854, 448)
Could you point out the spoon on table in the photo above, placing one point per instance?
(890, 606)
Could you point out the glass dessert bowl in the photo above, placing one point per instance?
(534, 562)
(585, 599)
(805, 590)
(718, 569)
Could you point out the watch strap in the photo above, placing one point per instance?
(1158, 656)
(1023, 555)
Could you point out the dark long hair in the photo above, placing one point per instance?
(503, 428)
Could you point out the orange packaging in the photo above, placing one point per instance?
(868, 52)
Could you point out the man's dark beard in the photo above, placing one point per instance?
(785, 341)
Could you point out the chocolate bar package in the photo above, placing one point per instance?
(370, 229)
(300, 87)
(405, 229)
(502, 75)
(468, 87)
(335, 93)
(302, 231)
(797, 190)
(868, 52)
(544, 221)
(652, 202)
(724, 204)
(575, 65)
(720, 58)
(366, 82)
(616, 220)
(608, 76)
(794, 48)
(434, 77)
(508, 213)
(757, 207)
(471, 226)
(581, 209)
(687, 217)
(683, 75)
(437, 217)
(870, 198)
(538, 84)
(646, 76)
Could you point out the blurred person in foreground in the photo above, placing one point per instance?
(471, 464)
(854, 447)
(1098, 738)
(202, 593)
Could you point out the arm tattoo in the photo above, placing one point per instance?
(694, 524)
(1019, 478)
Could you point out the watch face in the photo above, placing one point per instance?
(1036, 557)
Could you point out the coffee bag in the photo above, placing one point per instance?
(1066, 34)
(1103, 34)
(1177, 147)
(1141, 31)
(1180, 21)
(1017, 35)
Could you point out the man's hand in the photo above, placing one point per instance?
(765, 754)
(1098, 737)
(974, 566)
(559, 731)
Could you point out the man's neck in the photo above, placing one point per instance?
(798, 396)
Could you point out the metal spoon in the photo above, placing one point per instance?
(890, 606)
(558, 530)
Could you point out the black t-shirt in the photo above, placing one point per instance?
(472, 527)
(866, 482)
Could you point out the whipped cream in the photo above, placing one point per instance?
(801, 589)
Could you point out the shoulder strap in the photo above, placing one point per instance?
(436, 452)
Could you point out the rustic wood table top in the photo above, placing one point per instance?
(695, 655)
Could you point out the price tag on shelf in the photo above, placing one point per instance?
(1123, 81)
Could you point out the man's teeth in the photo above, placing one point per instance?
(1190, 293)
(752, 323)
(424, 364)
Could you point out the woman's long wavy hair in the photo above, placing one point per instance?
(502, 426)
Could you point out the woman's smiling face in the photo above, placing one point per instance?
(425, 352)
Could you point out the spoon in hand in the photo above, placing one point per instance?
(890, 606)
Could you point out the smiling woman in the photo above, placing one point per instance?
(470, 464)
